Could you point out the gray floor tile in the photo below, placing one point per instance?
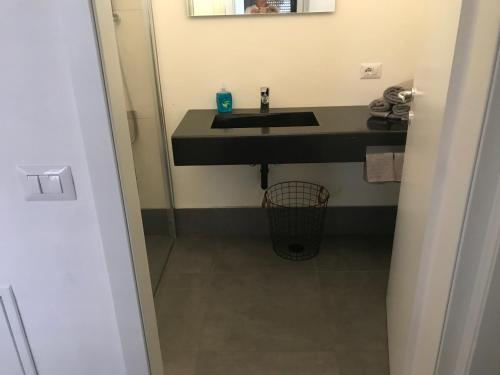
(180, 362)
(267, 363)
(192, 255)
(355, 308)
(355, 253)
(239, 254)
(172, 280)
(180, 314)
(270, 311)
(231, 306)
(361, 362)
(158, 249)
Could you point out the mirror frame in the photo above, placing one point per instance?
(190, 12)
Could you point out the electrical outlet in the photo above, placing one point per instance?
(371, 70)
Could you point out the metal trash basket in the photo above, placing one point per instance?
(296, 212)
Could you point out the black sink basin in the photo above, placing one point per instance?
(264, 120)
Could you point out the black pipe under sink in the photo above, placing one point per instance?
(264, 120)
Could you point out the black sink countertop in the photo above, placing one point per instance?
(342, 136)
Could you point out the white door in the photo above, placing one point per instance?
(440, 25)
(417, 260)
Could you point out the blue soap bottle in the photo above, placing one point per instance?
(224, 101)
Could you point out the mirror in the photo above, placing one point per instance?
(257, 7)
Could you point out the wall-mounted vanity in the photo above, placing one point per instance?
(282, 136)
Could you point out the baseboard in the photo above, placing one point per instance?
(253, 221)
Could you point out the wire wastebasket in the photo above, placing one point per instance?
(296, 212)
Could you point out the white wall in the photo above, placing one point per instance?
(53, 253)
(306, 60)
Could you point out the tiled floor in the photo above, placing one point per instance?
(158, 248)
(230, 306)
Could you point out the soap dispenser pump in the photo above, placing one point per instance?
(224, 101)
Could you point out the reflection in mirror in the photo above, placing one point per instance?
(257, 7)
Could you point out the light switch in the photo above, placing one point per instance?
(33, 184)
(50, 184)
(47, 183)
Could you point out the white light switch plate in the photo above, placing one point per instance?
(47, 183)
(371, 70)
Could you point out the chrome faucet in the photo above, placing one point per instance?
(264, 99)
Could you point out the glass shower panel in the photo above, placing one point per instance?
(137, 59)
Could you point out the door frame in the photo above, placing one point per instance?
(105, 40)
(113, 185)
(479, 248)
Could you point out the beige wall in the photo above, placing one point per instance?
(308, 60)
